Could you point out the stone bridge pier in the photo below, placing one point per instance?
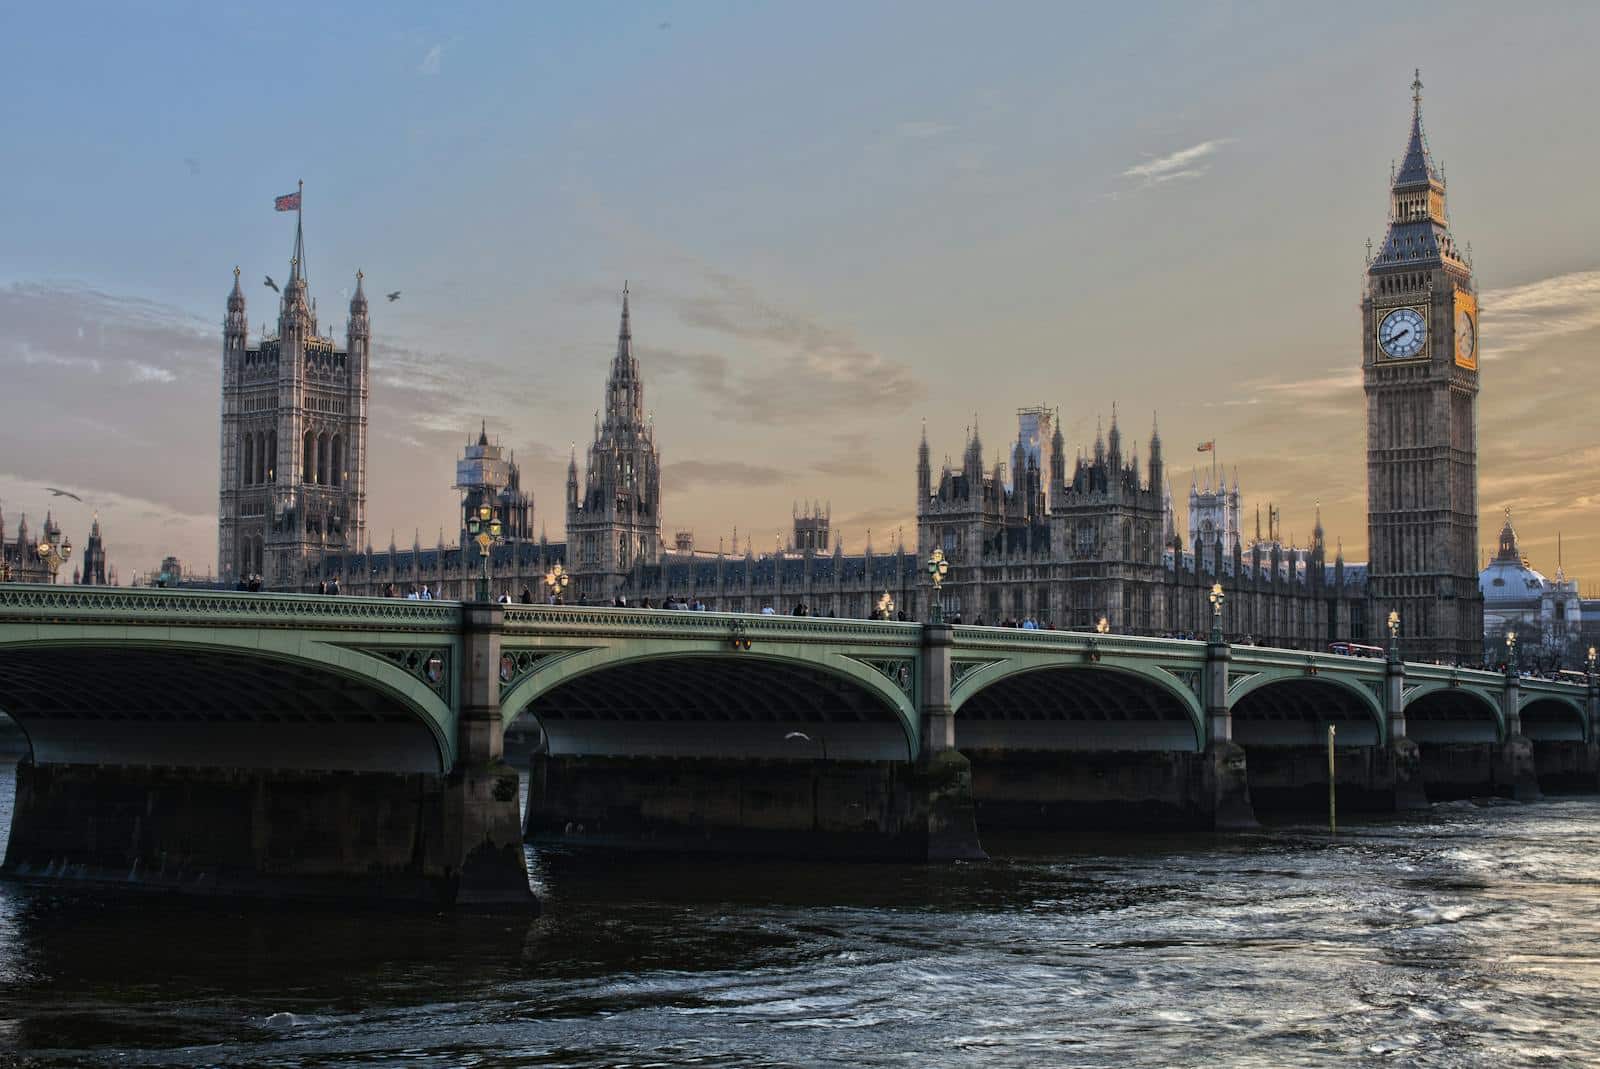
(299, 746)
(753, 735)
(261, 746)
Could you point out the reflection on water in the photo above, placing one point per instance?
(1468, 936)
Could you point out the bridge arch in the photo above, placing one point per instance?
(1440, 713)
(1554, 718)
(646, 700)
(225, 698)
(1028, 704)
(1295, 710)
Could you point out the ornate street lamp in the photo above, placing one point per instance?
(1216, 597)
(1102, 626)
(1591, 661)
(938, 568)
(1511, 653)
(886, 607)
(1394, 635)
(52, 556)
(556, 580)
(484, 527)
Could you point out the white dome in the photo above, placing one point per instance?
(1510, 582)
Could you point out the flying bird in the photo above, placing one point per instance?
(395, 296)
(65, 493)
(273, 286)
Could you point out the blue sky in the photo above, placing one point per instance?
(837, 220)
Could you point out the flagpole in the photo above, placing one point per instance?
(299, 214)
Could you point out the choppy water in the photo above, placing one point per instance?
(1469, 936)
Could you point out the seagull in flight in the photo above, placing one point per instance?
(273, 286)
(395, 296)
(65, 493)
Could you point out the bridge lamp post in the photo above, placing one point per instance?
(556, 580)
(1591, 661)
(1394, 635)
(1216, 597)
(938, 568)
(886, 607)
(52, 556)
(1511, 653)
(484, 527)
(1102, 626)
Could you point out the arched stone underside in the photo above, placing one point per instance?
(726, 706)
(1076, 708)
(1454, 714)
(211, 708)
(1297, 711)
(1553, 720)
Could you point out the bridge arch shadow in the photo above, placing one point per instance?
(1453, 715)
(1297, 711)
(715, 705)
(1552, 719)
(215, 706)
(1077, 707)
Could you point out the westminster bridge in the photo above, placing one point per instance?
(310, 746)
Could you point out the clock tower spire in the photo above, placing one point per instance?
(1419, 325)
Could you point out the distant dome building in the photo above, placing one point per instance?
(1517, 597)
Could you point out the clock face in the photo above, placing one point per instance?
(1402, 333)
(1466, 335)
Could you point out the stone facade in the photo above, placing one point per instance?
(21, 557)
(294, 437)
(614, 514)
(1419, 325)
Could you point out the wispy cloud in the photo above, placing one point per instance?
(684, 475)
(828, 368)
(430, 62)
(1191, 162)
(1525, 318)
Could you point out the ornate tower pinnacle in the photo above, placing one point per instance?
(1419, 346)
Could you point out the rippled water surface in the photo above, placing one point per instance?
(1468, 936)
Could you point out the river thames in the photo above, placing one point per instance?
(1462, 937)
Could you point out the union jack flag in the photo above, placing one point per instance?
(1206, 447)
(289, 202)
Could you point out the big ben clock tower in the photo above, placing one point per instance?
(1419, 331)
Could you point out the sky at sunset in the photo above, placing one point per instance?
(836, 220)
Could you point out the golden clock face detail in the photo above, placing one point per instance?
(1402, 333)
(1466, 337)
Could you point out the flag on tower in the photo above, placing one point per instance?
(1206, 447)
(289, 202)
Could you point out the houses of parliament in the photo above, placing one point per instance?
(1063, 541)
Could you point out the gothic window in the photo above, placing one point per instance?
(336, 469)
(322, 460)
(622, 551)
(1085, 538)
(271, 456)
(308, 460)
(247, 459)
(949, 541)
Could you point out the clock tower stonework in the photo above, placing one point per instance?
(1419, 329)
